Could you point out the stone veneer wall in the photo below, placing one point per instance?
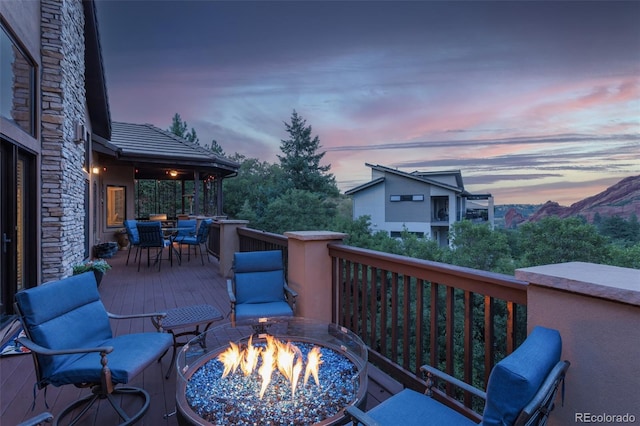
(62, 106)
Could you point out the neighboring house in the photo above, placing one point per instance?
(55, 130)
(423, 203)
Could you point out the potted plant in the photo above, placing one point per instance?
(105, 250)
(122, 238)
(99, 268)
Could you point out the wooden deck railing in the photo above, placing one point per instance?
(412, 312)
(255, 240)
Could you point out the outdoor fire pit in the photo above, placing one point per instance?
(277, 371)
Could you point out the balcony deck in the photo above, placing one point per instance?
(125, 291)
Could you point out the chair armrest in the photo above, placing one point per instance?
(148, 315)
(359, 417)
(544, 398)
(41, 418)
(28, 343)
(289, 290)
(232, 295)
(431, 371)
(156, 318)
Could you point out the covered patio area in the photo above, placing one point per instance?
(144, 171)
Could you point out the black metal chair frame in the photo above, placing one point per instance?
(151, 236)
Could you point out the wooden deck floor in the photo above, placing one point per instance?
(126, 291)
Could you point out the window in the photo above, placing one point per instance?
(16, 84)
(414, 197)
(116, 202)
(398, 234)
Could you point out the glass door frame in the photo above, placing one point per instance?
(18, 224)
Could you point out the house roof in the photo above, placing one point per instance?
(364, 186)
(153, 151)
(95, 84)
(417, 176)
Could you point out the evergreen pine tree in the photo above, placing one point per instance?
(301, 159)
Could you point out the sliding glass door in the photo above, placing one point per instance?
(18, 232)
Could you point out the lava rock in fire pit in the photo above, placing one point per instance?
(234, 399)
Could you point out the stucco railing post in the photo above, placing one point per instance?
(596, 308)
(229, 243)
(310, 272)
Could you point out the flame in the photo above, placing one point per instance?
(268, 363)
(230, 358)
(250, 358)
(313, 364)
(286, 357)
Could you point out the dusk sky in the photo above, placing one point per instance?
(532, 101)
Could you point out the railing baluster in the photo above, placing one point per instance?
(406, 317)
(435, 312)
(383, 313)
(394, 317)
(419, 325)
(373, 308)
(489, 339)
(349, 297)
(511, 326)
(468, 343)
(449, 333)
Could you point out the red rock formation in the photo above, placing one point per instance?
(513, 218)
(621, 199)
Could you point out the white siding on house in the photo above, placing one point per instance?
(370, 202)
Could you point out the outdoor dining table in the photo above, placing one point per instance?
(172, 233)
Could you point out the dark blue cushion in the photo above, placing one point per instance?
(132, 231)
(259, 277)
(52, 309)
(410, 408)
(266, 310)
(260, 287)
(190, 228)
(131, 354)
(257, 261)
(188, 240)
(515, 380)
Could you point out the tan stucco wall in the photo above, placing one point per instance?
(596, 310)
(310, 272)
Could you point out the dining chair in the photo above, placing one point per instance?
(151, 236)
(197, 241)
(131, 227)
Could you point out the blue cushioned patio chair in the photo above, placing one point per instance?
(134, 237)
(196, 240)
(258, 288)
(521, 390)
(151, 236)
(69, 333)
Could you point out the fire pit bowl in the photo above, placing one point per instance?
(211, 391)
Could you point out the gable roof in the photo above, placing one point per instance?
(416, 176)
(365, 186)
(152, 149)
